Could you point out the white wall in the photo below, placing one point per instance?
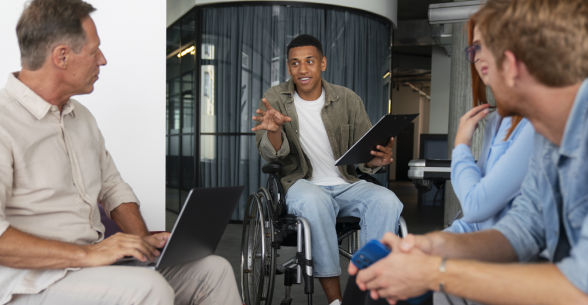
(129, 98)
(385, 8)
(440, 77)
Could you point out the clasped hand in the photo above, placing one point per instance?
(404, 273)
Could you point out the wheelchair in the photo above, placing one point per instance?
(267, 227)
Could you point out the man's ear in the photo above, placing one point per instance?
(60, 56)
(510, 69)
(324, 63)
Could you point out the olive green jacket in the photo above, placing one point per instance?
(345, 121)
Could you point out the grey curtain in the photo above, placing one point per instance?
(244, 54)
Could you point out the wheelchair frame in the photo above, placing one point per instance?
(266, 228)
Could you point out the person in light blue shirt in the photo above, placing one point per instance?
(538, 67)
(487, 188)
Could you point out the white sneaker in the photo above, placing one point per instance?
(335, 302)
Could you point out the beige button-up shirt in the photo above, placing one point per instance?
(54, 169)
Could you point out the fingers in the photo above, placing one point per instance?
(136, 246)
(390, 144)
(280, 119)
(475, 110)
(352, 269)
(390, 240)
(267, 104)
(407, 244)
(480, 115)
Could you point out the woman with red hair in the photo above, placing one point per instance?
(486, 188)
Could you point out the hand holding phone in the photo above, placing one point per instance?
(370, 253)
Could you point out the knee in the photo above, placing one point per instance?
(151, 286)
(217, 267)
(311, 201)
(387, 202)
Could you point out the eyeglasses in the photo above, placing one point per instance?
(470, 52)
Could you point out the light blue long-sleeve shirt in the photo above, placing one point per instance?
(487, 188)
(558, 175)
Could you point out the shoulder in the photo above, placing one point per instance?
(342, 92)
(5, 99)
(279, 93)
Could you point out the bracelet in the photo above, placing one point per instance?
(442, 270)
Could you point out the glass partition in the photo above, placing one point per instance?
(225, 61)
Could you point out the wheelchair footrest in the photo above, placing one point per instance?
(286, 302)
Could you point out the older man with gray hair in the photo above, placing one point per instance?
(54, 169)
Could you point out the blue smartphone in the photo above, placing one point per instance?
(370, 253)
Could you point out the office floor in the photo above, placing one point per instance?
(419, 220)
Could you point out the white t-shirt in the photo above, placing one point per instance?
(315, 141)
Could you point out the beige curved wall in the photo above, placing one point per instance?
(385, 8)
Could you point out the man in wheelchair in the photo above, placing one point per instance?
(306, 124)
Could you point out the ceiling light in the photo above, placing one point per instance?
(191, 50)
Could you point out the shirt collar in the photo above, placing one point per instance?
(572, 137)
(330, 95)
(32, 102)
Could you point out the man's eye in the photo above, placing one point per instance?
(295, 64)
(311, 61)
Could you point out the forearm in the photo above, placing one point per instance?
(488, 245)
(507, 283)
(24, 251)
(128, 218)
(275, 138)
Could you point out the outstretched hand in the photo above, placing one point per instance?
(271, 119)
(468, 124)
(382, 157)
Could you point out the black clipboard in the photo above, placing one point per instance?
(387, 127)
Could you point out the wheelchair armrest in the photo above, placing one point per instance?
(382, 170)
(273, 167)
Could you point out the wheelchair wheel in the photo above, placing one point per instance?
(258, 265)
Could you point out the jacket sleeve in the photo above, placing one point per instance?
(483, 197)
(362, 125)
(265, 147)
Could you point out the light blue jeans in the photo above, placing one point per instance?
(376, 206)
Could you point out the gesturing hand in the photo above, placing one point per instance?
(382, 157)
(468, 124)
(271, 119)
(116, 247)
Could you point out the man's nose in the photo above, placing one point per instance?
(101, 58)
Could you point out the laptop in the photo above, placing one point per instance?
(198, 229)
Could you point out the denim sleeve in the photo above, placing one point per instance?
(460, 226)
(483, 197)
(575, 267)
(523, 225)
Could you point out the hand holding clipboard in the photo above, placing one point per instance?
(389, 126)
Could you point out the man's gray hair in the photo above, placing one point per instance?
(44, 24)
